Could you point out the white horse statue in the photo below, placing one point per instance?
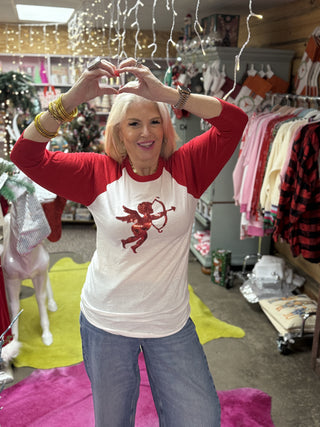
(25, 257)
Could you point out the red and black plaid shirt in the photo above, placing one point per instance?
(298, 218)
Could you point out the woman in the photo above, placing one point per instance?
(142, 196)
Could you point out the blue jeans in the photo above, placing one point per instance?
(182, 387)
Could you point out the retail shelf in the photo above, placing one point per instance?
(205, 222)
(205, 261)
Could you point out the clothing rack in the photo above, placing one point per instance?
(293, 98)
(272, 100)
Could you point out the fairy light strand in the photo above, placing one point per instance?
(90, 25)
(123, 53)
(136, 24)
(154, 37)
(197, 24)
(237, 57)
(19, 38)
(111, 12)
(44, 28)
(170, 40)
(7, 41)
(118, 28)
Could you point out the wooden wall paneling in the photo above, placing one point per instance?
(294, 21)
(284, 27)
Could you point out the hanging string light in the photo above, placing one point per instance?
(121, 34)
(87, 31)
(44, 28)
(196, 25)
(237, 57)
(136, 24)
(154, 37)
(111, 12)
(56, 36)
(170, 40)
(19, 38)
(88, 27)
(118, 28)
(31, 36)
(6, 35)
(123, 53)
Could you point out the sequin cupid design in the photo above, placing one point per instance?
(142, 220)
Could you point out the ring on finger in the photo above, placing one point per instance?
(138, 63)
(94, 63)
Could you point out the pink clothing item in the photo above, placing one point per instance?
(253, 161)
(257, 159)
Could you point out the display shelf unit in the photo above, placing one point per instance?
(224, 217)
(205, 260)
(59, 72)
(54, 74)
(76, 213)
(202, 222)
(63, 70)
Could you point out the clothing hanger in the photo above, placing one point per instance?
(269, 72)
(262, 73)
(252, 71)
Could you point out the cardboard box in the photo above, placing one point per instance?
(220, 271)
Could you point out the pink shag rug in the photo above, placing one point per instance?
(61, 397)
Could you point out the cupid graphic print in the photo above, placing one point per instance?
(142, 219)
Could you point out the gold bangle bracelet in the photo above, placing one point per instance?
(62, 113)
(58, 112)
(41, 130)
(53, 113)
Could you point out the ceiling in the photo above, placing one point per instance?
(163, 17)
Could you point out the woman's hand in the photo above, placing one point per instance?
(146, 84)
(89, 85)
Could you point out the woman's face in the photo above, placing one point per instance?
(141, 131)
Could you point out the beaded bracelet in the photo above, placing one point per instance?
(58, 112)
(41, 130)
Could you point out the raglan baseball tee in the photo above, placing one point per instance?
(136, 284)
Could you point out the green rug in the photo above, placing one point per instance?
(67, 278)
(207, 326)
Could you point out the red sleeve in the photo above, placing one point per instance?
(197, 163)
(79, 177)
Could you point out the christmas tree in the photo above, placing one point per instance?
(83, 133)
(18, 100)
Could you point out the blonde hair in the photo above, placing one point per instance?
(115, 148)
